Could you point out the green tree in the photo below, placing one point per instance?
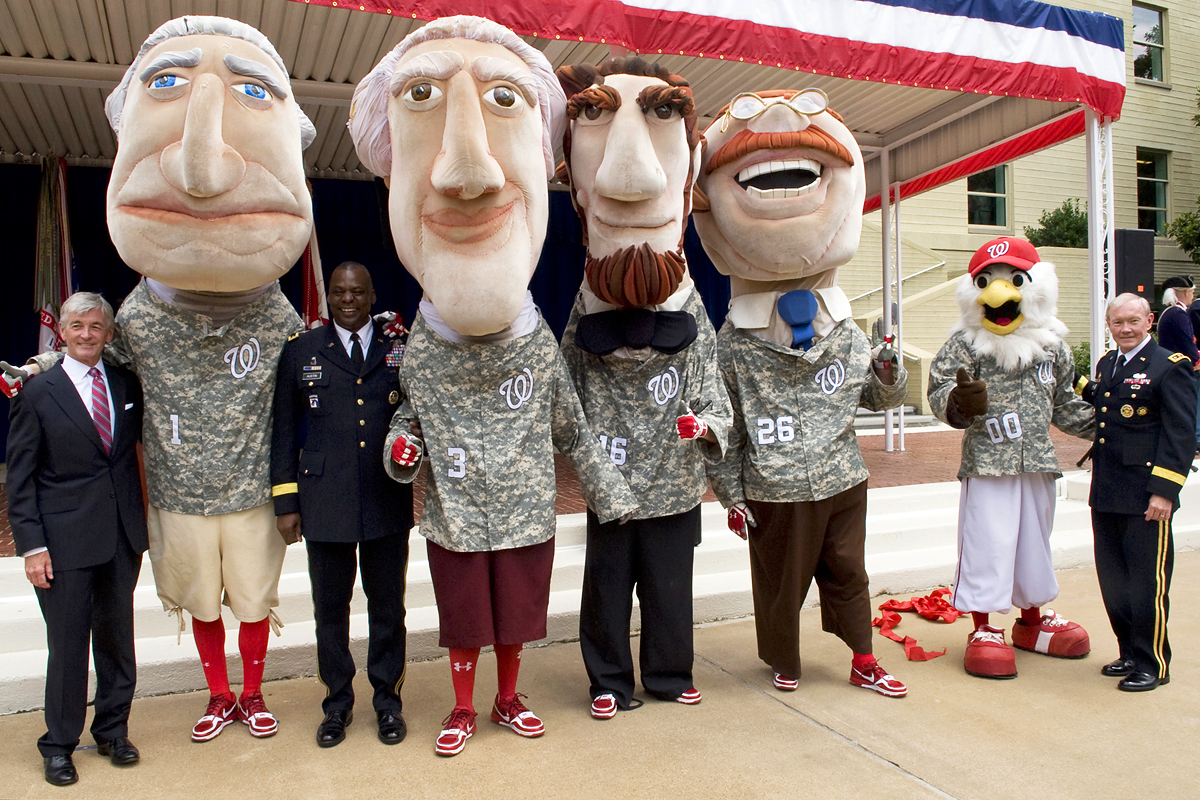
(1065, 226)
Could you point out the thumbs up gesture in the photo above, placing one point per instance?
(967, 399)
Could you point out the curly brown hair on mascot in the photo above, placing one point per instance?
(463, 118)
(1004, 376)
(640, 348)
(783, 189)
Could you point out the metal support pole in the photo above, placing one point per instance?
(885, 192)
(899, 343)
(1101, 231)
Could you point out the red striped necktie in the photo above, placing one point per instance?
(100, 409)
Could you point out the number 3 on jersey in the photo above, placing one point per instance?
(458, 462)
(773, 430)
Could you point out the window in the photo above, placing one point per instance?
(987, 197)
(1152, 190)
(1148, 43)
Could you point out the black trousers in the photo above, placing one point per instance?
(1134, 561)
(653, 556)
(91, 604)
(383, 565)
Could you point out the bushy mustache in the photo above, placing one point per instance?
(635, 277)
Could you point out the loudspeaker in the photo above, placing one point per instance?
(1133, 267)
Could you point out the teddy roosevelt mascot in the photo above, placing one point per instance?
(1005, 376)
(784, 187)
(207, 201)
(641, 351)
(462, 119)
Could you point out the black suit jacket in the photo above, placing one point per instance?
(327, 443)
(1145, 420)
(64, 492)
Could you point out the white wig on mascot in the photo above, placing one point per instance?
(1004, 376)
(462, 119)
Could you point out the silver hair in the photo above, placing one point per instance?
(114, 106)
(1171, 295)
(1124, 298)
(368, 121)
(81, 303)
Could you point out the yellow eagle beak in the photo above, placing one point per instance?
(1001, 303)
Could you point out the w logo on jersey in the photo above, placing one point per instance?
(518, 389)
(1046, 372)
(243, 360)
(831, 378)
(663, 388)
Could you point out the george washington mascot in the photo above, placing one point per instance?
(1005, 376)
(462, 119)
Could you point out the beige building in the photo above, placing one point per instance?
(1156, 175)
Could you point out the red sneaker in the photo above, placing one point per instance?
(456, 729)
(604, 706)
(785, 684)
(513, 715)
(252, 710)
(222, 710)
(1054, 635)
(689, 697)
(875, 678)
(988, 656)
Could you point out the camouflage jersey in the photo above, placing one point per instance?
(1014, 435)
(207, 429)
(632, 403)
(491, 416)
(792, 438)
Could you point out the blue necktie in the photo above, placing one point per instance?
(799, 309)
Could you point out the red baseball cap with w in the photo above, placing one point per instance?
(1005, 250)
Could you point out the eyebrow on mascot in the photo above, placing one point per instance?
(783, 193)
(207, 201)
(462, 119)
(642, 352)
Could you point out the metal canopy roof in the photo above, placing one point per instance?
(60, 58)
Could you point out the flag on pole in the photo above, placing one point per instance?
(315, 311)
(54, 278)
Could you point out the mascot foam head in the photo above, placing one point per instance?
(784, 187)
(207, 190)
(632, 154)
(1008, 300)
(462, 118)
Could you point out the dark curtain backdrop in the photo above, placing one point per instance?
(351, 226)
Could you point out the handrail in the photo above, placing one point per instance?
(938, 265)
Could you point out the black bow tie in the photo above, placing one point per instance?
(665, 331)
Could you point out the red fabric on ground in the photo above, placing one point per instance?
(932, 606)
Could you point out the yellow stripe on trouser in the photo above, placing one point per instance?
(1160, 580)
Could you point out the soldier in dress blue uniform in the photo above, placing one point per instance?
(1145, 407)
(338, 387)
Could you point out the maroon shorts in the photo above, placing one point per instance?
(491, 597)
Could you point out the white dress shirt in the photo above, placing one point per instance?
(364, 337)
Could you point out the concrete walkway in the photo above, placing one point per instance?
(1060, 730)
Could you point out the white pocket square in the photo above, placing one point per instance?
(128, 406)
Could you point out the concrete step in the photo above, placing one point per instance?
(911, 547)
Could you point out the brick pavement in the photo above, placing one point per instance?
(929, 457)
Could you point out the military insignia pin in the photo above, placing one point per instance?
(394, 356)
(1143, 411)
(1126, 411)
(314, 401)
(394, 397)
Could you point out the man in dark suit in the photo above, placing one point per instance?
(77, 514)
(1145, 407)
(337, 389)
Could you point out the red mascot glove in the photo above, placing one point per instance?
(405, 451)
(740, 519)
(11, 379)
(390, 324)
(690, 426)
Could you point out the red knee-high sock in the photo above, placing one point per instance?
(463, 664)
(980, 619)
(508, 664)
(252, 644)
(210, 643)
(1031, 615)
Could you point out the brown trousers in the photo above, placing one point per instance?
(792, 544)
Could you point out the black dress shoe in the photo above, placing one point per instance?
(120, 751)
(392, 729)
(60, 770)
(1117, 669)
(332, 729)
(1141, 682)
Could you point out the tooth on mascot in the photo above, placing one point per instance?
(1004, 376)
(779, 209)
(462, 119)
(207, 201)
(641, 350)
